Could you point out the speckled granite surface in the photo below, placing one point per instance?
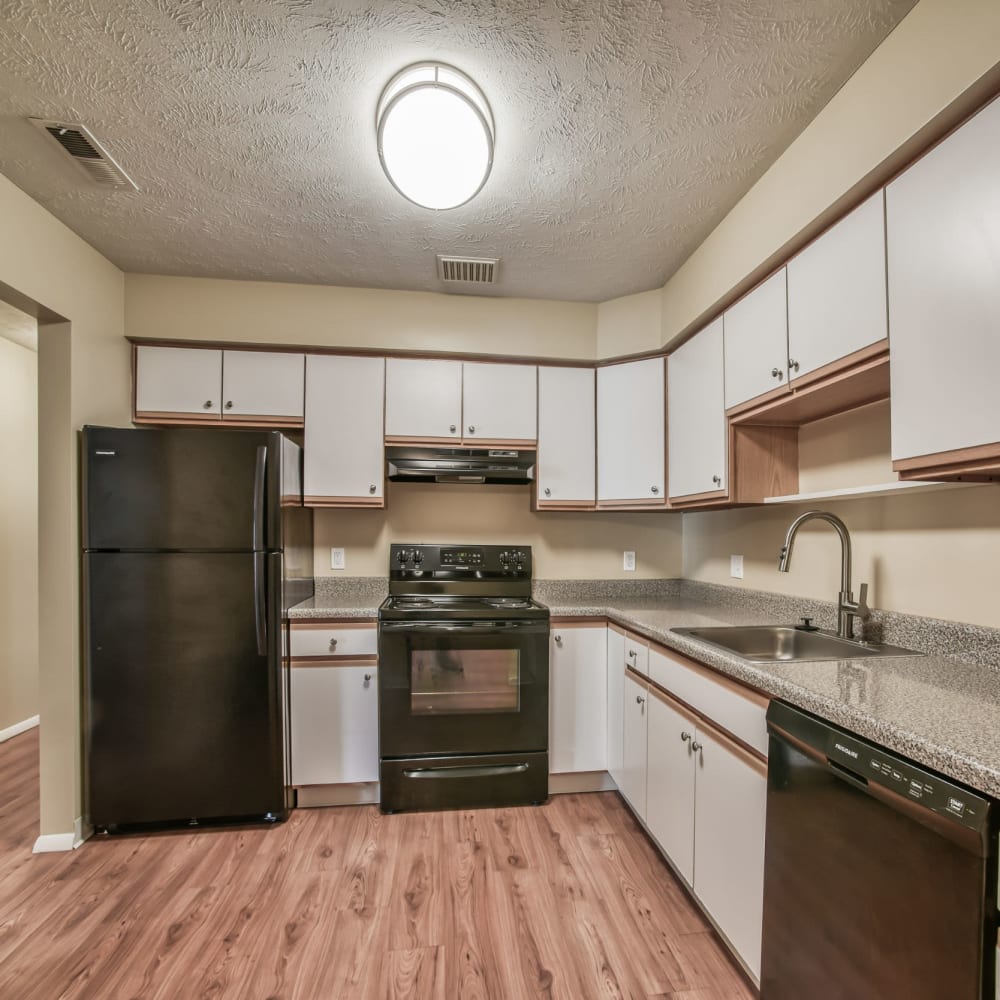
(344, 597)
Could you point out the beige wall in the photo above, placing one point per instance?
(272, 312)
(921, 553)
(565, 545)
(939, 50)
(18, 534)
(630, 324)
(83, 377)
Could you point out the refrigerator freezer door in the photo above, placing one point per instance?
(184, 714)
(182, 489)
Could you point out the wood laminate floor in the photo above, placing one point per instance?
(567, 900)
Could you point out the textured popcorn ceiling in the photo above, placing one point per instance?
(625, 129)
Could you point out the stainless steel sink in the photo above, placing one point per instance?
(780, 643)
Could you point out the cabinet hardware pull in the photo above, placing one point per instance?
(229, 404)
(777, 373)
(639, 699)
(333, 644)
(452, 428)
(685, 737)
(472, 428)
(655, 489)
(793, 364)
(548, 492)
(208, 404)
(695, 745)
(558, 638)
(717, 480)
(632, 653)
(368, 678)
(371, 488)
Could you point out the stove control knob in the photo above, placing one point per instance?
(401, 556)
(417, 556)
(504, 560)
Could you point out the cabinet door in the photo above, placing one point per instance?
(344, 447)
(836, 291)
(578, 699)
(756, 339)
(499, 403)
(423, 399)
(630, 432)
(263, 384)
(567, 445)
(178, 381)
(730, 795)
(943, 232)
(697, 415)
(670, 778)
(616, 703)
(334, 725)
(633, 783)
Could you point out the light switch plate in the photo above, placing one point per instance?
(630, 561)
(736, 567)
(337, 560)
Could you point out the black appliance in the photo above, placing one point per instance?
(880, 876)
(463, 679)
(195, 543)
(460, 465)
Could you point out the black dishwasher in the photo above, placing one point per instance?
(880, 877)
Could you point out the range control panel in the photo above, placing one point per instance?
(932, 792)
(481, 562)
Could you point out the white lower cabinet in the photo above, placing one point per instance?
(334, 724)
(633, 774)
(578, 699)
(730, 797)
(616, 701)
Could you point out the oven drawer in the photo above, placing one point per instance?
(483, 780)
(328, 639)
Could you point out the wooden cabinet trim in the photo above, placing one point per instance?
(172, 417)
(632, 504)
(715, 495)
(258, 420)
(751, 694)
(736, 747)
(640, 679)
(344, 501)
(676, 704)
(615, 627)
(568, 505)
(982, 456)
(591, 621)
(360, 660)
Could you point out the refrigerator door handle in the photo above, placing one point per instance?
(259, 479)
(260, 602)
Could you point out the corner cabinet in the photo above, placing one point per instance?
(578, 698)
(943, 232)
(344, 452)
(631, 445)
(632, 784)
(194, 385)
(567, 444)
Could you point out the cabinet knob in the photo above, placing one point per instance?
(208, 404)
(333, 645)
(696, 746)
(229, 404)
(472, 428)
(368, 679)
(639, 699)
(685, 737)
(453, 428)
(371, 488)
(777, 373)
(793, 365)
(557, 638)
(717, 480)
(548, 492)
(632, 653)
(655, 489)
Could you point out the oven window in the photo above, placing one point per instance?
(464, 681)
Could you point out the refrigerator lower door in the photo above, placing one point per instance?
(183, 704)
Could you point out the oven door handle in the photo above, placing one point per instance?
(476, 627)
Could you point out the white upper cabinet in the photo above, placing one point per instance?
(181, 381)
(499, 402)
(630, 433)
(756, 338)
(423, 399)
(264, 384)
(836, 292)
(578, 699)
(943, 224)
(696, 419)
(344, 441)
(566, 435)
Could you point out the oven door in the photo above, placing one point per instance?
(463, 687)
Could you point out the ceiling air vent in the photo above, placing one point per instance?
(468, 270)
(88, 154)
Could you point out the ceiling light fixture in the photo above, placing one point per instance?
(435, 135)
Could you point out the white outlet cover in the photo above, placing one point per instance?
(630, 561)
(337, 559)
(736, 567)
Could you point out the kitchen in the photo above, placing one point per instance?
(924, 553)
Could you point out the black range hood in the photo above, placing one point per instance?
(460, 465)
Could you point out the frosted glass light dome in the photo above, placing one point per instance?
(435, 135)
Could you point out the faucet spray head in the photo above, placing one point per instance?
(783, 559)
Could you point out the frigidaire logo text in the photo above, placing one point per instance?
(843, 749)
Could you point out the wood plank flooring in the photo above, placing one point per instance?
(568, 900)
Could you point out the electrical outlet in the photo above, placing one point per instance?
(337, 560)
(630, 561)
(736, 567)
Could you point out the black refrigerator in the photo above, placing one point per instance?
(195, 543)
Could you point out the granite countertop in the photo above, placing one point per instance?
(941, 709)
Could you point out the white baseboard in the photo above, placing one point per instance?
(581, 781)
(19, 727)
(50, 843)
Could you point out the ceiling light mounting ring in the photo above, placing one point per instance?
(435, 134)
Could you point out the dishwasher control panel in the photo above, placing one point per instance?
(876, 767)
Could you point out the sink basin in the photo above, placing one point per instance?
(782, 643)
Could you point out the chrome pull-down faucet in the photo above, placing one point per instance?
(847, 607)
